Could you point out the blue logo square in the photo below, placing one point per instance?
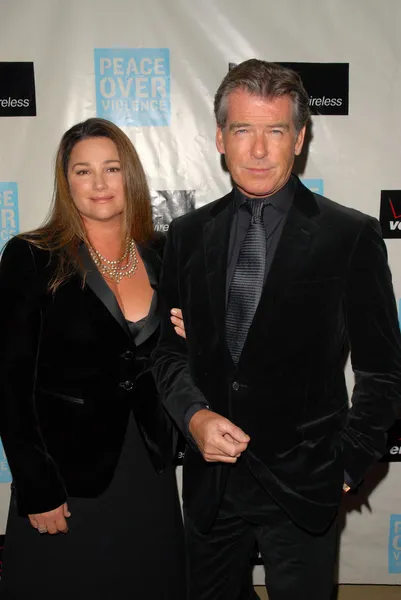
(394, 545)
(5, 474)
(9, 217)
(9, 226)
(133, 86)
(315, 185)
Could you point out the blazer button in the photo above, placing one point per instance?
(235, 386)
(128, 355)
(127, 385)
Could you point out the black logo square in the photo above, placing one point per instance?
(17, 89)
(390, 213)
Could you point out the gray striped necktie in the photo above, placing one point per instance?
(247, 282)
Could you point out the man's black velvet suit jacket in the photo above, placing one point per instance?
(70, 373)
(329, 287)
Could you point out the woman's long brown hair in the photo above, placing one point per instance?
(63, 230)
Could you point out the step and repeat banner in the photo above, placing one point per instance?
(153, 68)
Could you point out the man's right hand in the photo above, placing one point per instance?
(217, 438)
(53, 521)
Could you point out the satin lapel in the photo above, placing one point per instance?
(152, 262)
(290, 259)
(98, 285)
(291, 254)
(216, 238)
(151, 324)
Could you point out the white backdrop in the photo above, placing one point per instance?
(187, 45)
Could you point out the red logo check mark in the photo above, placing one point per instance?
(393, 210)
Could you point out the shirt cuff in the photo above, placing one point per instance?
(188, 416)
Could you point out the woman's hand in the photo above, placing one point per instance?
(178, 322)
(53, 521)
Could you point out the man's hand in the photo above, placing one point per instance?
(217, 438)
(178, 322)
(53, 521)
(346, 488)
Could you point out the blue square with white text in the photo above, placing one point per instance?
(5, 474)
(9, 216)
(314, 185)
(133, 86)
(394, 545)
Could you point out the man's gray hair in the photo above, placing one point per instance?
(266, 80)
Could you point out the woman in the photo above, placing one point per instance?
(88, 443)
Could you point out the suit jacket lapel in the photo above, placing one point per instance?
(290, 259)
(216, 239)
(98, 285)
(295, 243)
(152, 261)
(95, 281)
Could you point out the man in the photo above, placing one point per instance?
(275, 283)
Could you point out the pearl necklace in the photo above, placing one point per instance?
(113, 269)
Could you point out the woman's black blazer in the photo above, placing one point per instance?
(70, 373)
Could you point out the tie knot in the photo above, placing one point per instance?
(255, 207)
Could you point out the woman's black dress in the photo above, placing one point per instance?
(125, 544)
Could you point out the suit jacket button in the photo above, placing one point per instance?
(128, 355)
(127, 385)
(235, 386)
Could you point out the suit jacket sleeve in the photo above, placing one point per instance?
(36, 479)
(375, 344)
(170, 359)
